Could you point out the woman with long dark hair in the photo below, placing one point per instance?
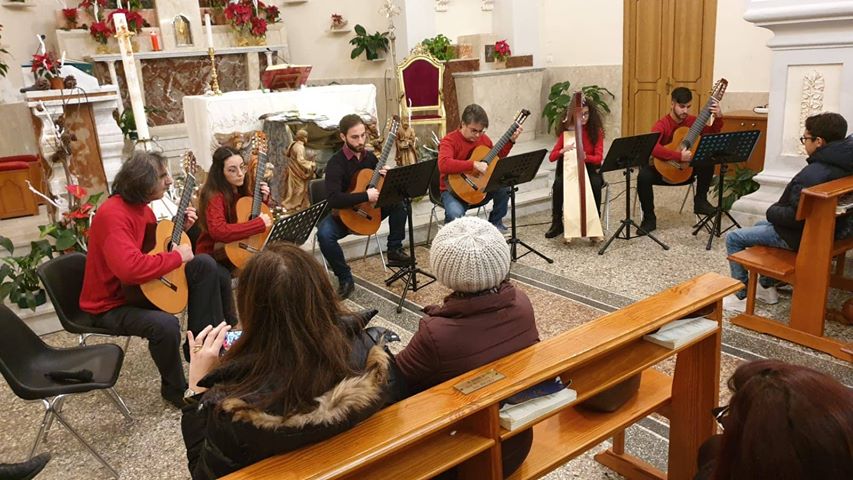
(217, 217)
(784, 422)
(593, 147)
(302, 371)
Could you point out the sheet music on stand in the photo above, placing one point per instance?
(297, 227)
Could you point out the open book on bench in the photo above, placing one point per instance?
(285, 76)
(677, 333)
(534, 402)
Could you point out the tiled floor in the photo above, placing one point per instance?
(580, 286)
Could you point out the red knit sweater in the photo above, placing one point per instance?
(454, 150)
(594, 153)
(115, 255)
(219, 230)
(667, 126)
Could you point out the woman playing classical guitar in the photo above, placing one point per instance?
(225, 184)
(593, 146)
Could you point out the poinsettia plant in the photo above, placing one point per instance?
(45, 65)
(502, 50)
(70, 15)
(90, 6)
(72, 230)
(101, 32)
(244, 18)
(135, 22)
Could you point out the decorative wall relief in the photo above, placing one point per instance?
(811, 102)
(183, 33)
(441, 5)
(487, 5)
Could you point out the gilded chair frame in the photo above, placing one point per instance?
(420, 54)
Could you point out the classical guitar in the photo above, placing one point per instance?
(580, 217)
(469, 186)
(678, 172)
(169, 292)
(364, 218)
(240, 251)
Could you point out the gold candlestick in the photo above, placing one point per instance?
(214, 80)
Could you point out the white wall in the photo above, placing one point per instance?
(741, 52)
(18, 37)
(463, 17)
(580, 32)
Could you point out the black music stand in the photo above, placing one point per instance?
(402, 184)
(627, 153)
(297, 227)
(509, 172)
(722, 149)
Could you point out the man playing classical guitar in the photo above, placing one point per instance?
(454, 152)
(116, 259)
(648, 176)
(342, 167)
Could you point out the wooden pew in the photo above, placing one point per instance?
(442, 427)
(807, 270)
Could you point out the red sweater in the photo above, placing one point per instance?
(454, 150)
(667, 126)
(594, 153)
(115, 255)
(219, 230)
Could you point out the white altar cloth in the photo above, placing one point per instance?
(206, 115)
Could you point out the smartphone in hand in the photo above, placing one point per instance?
(230, 338)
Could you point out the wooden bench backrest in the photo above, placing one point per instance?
(407, 433)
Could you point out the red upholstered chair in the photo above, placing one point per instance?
(420, 78)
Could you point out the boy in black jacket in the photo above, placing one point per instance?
(830, 158)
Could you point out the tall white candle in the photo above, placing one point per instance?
(41, 43)
(209, 30)
(118, 3)
(62, 61)
(130, 76)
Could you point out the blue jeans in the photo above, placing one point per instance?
(455, 208)
(762, 233)
(331, 230)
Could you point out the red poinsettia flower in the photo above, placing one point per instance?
(45, 65)
(135, 22)
(272, 14)
(76, 190)
(259, 27)
(100, 31)
(70, 14)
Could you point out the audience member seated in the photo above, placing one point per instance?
(300, 373)
(830, 157)
(485, 318)
(783, 422)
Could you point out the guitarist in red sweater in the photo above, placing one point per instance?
(117, 258)
(678, 116)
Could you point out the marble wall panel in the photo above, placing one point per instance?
(451, 103)
(168, 80)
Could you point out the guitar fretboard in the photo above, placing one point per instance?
(386, 150)
(186, 196)
(257, 197)
(493, 153)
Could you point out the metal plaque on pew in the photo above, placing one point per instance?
(478, 382)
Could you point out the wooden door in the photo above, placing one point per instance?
(666, 44)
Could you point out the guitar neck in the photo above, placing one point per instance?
(386, 151)
(493, 153)
(186, 196)
(257, 197)
(698, 125)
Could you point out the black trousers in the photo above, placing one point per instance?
(596, 181)
(162, 330)
(649, 176)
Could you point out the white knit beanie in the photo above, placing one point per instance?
(469, 255)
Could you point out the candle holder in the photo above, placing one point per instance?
(214, 79)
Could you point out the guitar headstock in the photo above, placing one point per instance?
(259, 143)
(189, 164)
(521, 116)
(394, 125)
(719, 88)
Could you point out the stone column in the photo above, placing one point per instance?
(517, 21)
(812, 72)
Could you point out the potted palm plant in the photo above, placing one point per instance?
(18, 279)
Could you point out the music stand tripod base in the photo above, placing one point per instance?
(401, 184)
(626, 153)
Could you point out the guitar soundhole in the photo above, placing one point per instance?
(171, 286)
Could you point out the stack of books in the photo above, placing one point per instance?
(535, 402)
(675, 334)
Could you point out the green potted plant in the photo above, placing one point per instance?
(560, 96)
(369, 44)
(18, 279)
(736, 184)
(439, 47)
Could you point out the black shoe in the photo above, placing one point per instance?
(398, 258)
(648, 225)
(345, 289)
(172, 396)
(556, 229)
(703, 207)
(24, 470)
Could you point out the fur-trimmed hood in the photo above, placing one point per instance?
(350, 395)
